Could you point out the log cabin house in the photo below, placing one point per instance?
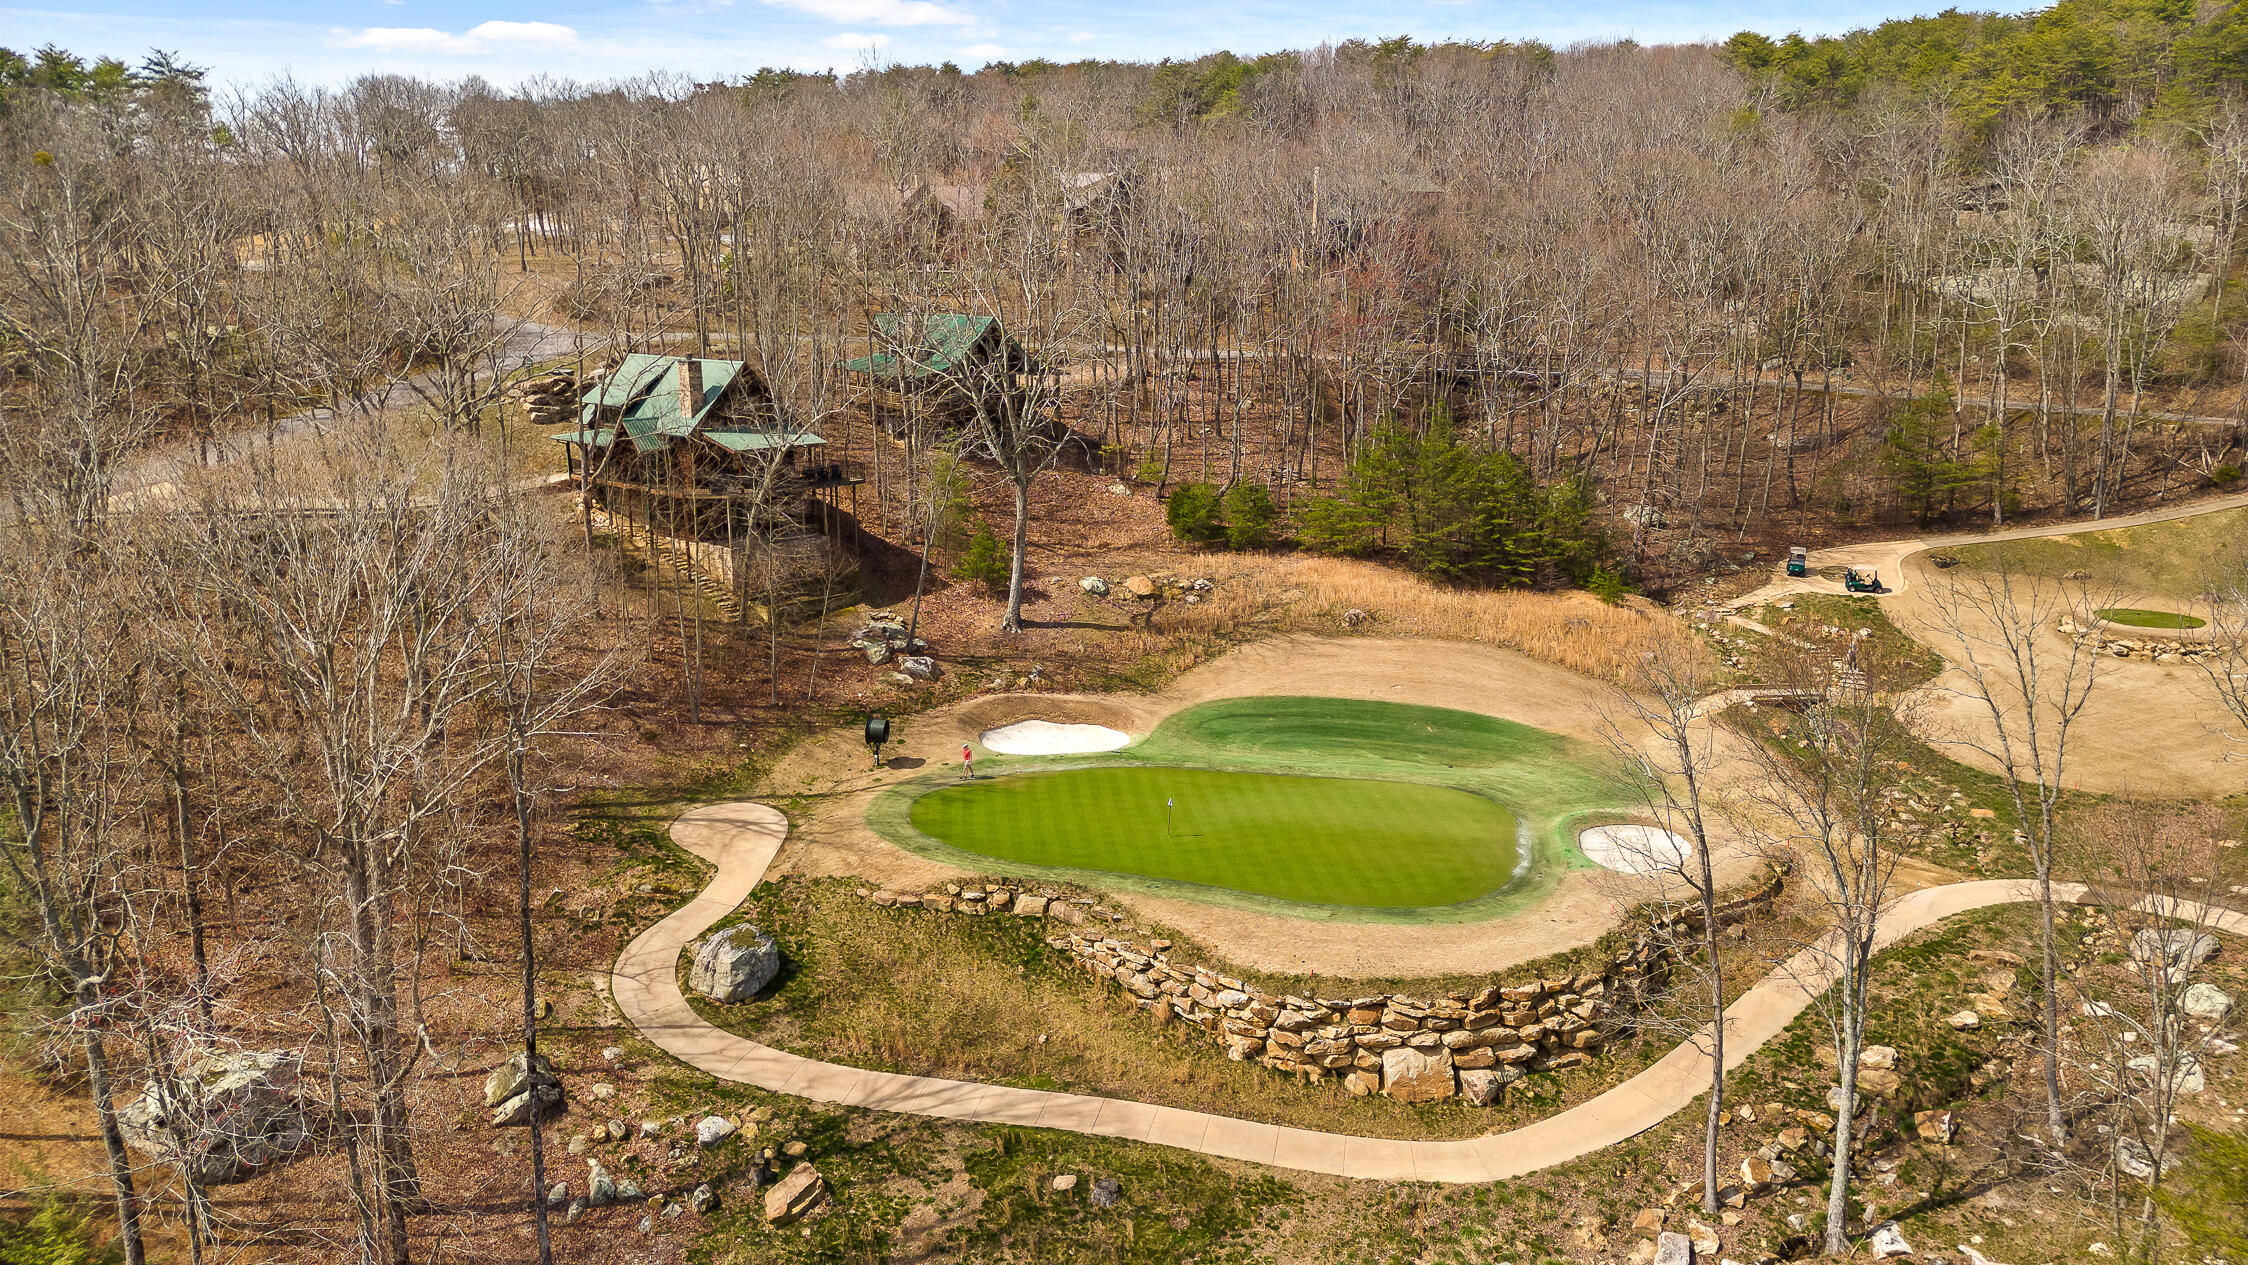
(697, 449)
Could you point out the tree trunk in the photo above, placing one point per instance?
(376, 1002)
(112, 1140)
(1838, 1185)
(522, 799)
(2048, 1004)
(1014, 620)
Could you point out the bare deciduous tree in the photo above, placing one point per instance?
(2028, 679)
(1825, 778)
(1661, 728)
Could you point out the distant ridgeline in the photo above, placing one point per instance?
(2115, 60)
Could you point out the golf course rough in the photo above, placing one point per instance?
(1321, 840)
(1320, 808)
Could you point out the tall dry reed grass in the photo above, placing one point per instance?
(1260, 593)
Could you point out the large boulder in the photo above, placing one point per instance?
(794, 1195)
(2183, 1072)
(1482, 1087)
(226, 1118)
(734, 965)
(2137, 1159)
(518, 1088)
(1411, 1075)
(2206, 1001)
(2176, 950)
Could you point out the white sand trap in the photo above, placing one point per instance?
(1634, 849)
(1044, 737)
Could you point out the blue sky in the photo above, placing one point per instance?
(248, 41)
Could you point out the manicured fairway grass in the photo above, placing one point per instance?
(2137, 618)
(1320, 840)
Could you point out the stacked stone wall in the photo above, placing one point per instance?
(1417, 1049)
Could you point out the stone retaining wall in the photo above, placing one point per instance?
(1468, 1045)
(2127, 641)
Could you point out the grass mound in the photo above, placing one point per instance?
(1344, 728)
(2137, 618)
(1328, 841)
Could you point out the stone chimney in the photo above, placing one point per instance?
(690, 387)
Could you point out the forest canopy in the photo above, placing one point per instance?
(2108, 58)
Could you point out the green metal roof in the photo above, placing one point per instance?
(646, 401)
(642, 388)
(945, 340)
(762, 440)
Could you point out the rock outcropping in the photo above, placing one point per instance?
(226, 1118)
(516, 1089)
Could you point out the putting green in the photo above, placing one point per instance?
(2137, 618)
(1328, 841)
(1324, 808)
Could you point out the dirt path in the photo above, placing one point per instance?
(742, 840)
(832, 837)
(2147, 729)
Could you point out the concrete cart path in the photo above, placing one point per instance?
(1888, 556)
(741, 839)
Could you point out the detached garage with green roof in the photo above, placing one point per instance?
(940, 364)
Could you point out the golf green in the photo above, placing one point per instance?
(2138, 618)
(1320, 840)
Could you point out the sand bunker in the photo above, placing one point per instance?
(1633, 849)
(1044, 737)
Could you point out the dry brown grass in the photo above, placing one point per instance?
(985, 999)
(1262, 592)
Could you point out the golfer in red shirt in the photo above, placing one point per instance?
(967, 759)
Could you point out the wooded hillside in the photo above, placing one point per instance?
(1644, 267)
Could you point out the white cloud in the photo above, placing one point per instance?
(1081, 37)
(424, 39)
(853, 41)
(403, 39)
(524, 33)
(983, 52)
(880, 12)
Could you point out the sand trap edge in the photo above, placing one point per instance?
(1633, 849)
(1045, 737)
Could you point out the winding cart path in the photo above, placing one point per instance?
(1888, 556)
(741, 839)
